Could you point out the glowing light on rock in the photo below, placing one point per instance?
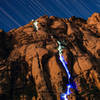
(65, 66)
(64, 63)
(36, 25)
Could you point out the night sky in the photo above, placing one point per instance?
(15, 13)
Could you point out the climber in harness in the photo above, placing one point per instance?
(60, 48)
(35, 23)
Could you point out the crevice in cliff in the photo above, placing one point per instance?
(64, 77)
(6, 45)
(46, 74)
(18, 82)
(71, 61)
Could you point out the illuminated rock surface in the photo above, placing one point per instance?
(30, 68)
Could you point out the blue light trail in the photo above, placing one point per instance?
(65, 66)
(70, 84)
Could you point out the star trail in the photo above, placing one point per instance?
(15, 13)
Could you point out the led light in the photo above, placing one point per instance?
(64, 96)
(35, 24)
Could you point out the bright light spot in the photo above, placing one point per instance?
(36, 25)
(68, 92)
(32, 19)
(64, 96)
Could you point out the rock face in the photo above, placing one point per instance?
(30, 68)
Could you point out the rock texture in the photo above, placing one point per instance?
(30, 68)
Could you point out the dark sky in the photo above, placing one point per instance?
(15, 13)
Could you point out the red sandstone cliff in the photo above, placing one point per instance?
(30, 68)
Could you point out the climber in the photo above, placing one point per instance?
(60, 48)
(35, 23)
